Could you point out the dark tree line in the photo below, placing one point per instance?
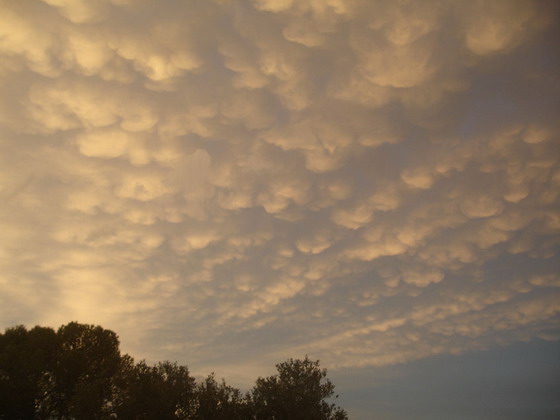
(78, 372)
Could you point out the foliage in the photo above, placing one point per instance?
(78, 372)
(26, 365)
(164, 391)
(220, 401)
(87, 360)
(298, 391)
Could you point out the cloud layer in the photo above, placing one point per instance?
(230, 182)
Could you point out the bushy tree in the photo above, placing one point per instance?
(298, 391)
(26, 364)
(164, 391)
(87, 361)
(78, 372)
(220, 401)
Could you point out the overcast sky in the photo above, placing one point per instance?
(231, 183)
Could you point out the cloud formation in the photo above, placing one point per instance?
(367, 182)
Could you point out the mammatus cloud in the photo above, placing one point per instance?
(367, 182)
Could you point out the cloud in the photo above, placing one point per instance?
(492, 29)
(365, 182)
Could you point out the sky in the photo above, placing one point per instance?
(227, 184)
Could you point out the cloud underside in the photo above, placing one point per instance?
(367, 182)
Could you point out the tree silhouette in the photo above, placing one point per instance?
(298, 391)
(164, 391)
(220, 401)
(26, 364)
(78, 372)
(88, 359)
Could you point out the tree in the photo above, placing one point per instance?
(220, 401)
(164, 391)
(298, 391)
(87, 359)
(26, 360)
(78, 372)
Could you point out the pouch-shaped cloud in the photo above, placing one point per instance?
(367, 182)
(493, 28)
(104, 143)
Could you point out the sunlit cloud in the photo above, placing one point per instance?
(366, 182)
